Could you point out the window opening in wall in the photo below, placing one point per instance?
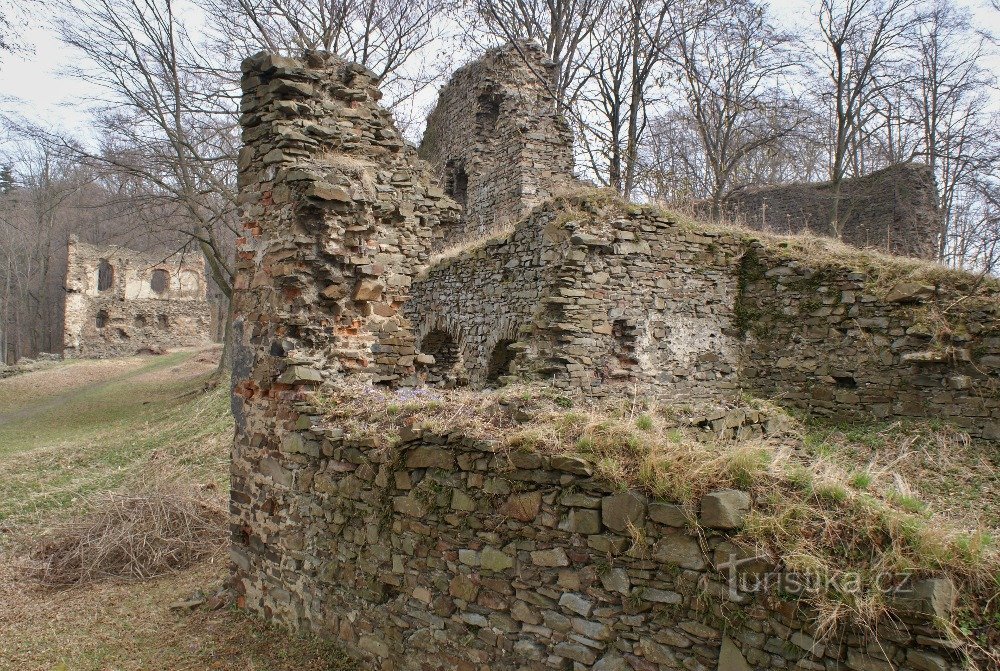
(159, 281)
(845, 381)
(625, 335)
(102, 319)
(457, 182)
(139, 321)
(105, 275)
(488, 111)
(500, 360)
(440, 345)
(162, 321)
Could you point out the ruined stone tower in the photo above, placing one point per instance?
(496, 140)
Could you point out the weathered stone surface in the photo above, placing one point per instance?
(681, 550)
(668, 513)
(523, 507)
(725, 509)
(121, 302)
(730, 657)
(430, 457)
(553, 557)
(620, 511)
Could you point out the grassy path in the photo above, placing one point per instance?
(84, 427)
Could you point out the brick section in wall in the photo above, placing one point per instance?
(120, 301)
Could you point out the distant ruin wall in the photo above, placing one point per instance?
(496, 140)
(445, 553)
(893, 210)
(120, 302)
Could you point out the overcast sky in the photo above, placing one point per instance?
(34, 84)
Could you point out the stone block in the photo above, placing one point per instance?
(620, 511)
(725, 509)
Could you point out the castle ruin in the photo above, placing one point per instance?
(120, 302)
(894, 210)
(443, 553)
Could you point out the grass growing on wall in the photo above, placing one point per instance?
(863, 498)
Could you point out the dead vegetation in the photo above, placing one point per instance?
(828, 502)
(146, 529)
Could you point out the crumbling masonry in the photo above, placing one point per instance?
(442, 552)
(120, 302)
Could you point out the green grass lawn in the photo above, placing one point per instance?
(59, 444)
(85, 427)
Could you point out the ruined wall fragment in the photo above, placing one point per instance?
(893, 210)
(120, 301)
(496, 140)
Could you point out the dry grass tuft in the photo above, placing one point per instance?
(830, 502)
(152, 528)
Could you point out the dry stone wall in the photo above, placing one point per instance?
(827, 339)
(894, 210)
(496, 140)
(444, 553)
(337, 214)
(120, 301)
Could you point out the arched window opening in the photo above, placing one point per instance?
(456, 182)
(105, 275)
(159, 281)
(102, 319)
(488, 111)
(501, 358)
(440, 345)
(162, 321)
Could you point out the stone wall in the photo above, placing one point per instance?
(894, 210)
(120, 301)
(496, 141)
(337, 215)
(443, 553)
(438, 550)
(592, 295)
(831, 340)
(599, 297)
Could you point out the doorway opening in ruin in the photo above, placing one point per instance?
(440, 345)
(456, 183)
(101, 319)
(500, 360)
(159, 281)
(105, 275)
(488, 111)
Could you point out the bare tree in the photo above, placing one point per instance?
(950, 100)
(625, 77)
(169, 116)
(394, 39)
(564, 28)
(863, 40)
(730, 68)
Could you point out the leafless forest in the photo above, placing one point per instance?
(671, 101)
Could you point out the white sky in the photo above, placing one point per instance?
(34, 84)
